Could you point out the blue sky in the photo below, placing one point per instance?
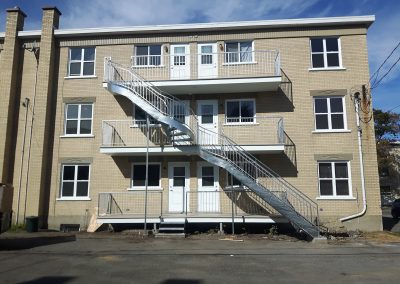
(383, 36)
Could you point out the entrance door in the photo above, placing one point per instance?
(207, 60)
(207, 112)
(178, 186)
(180, 61)
(208, 195)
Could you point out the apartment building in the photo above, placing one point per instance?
(245, 122)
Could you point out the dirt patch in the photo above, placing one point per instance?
(382, 237)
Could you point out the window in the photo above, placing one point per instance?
(207, 176)
(325, 53)
(233, 181)
(329, 113)
(240, 111)
(148, 55)
(237, 52)
(78, 119)
(334, 179)
(75, 181)
(81, 61)
(139, 175)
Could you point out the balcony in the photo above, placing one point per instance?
(219, 72)
(240, 205)
(263, 134)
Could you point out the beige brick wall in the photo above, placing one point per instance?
(113, 173)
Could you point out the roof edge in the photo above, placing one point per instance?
(366, 20)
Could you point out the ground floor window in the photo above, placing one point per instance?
(334, 179)
(75, 181)
(139, 175)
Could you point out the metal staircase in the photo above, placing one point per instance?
(181, 123)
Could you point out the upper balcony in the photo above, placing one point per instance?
(181, 72)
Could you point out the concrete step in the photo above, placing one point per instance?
(170, 235)
(171, 229)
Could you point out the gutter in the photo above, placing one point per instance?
(359, 133)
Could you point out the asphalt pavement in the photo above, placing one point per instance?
(69, 258)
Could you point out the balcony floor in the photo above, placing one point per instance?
(183, 150)
(190, 218)
(233, 85)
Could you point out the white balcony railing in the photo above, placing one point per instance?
(236, 202)
(259, 63)
(260, 130)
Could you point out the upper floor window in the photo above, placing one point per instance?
(240, 111)
(75, 181)
(141, 117)
(81, 61)
(148, 55)
(78, 119)
(334, 178)
(329, 113)
(325, 53)
(237, 52)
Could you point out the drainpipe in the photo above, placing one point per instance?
(359, 133)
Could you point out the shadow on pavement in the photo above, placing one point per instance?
(16, 243)
(182, 281)
(49, 280)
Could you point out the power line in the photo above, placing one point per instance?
(390, 69)
(393, 108)
(387, 58)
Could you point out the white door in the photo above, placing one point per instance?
(207, 60)
(207, 112)
(178, 174)
(207, 186)
(180, 61)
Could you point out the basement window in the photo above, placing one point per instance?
(81, 61)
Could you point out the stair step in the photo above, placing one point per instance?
(171, 229)
(170, 235)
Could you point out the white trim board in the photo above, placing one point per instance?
(184, 150)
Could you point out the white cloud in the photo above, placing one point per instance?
(145, 12)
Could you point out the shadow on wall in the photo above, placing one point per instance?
(280, 163)
(274, 102)
(20, 243)
(123, 165)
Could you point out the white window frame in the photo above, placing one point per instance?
(329, 113)
(333, 178)
(82, 61)
(132, 187)
(79, 120)
(325, 52)
(134, 62)
(75, 181)
(252, 61)
(240, 117)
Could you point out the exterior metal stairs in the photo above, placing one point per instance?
(181, 123)
(171, 229)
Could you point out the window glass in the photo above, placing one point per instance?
(207, 174)
(78, 119)
(329, 113)
(81, 61)
(317, 45)
(232, 109)
(139, 175)
(332, 44)
(334, 179)
(325, 52)
(247, 109)
(75, 181)
(179, 176)
(89, 54)
(207, 115)
(240, 111)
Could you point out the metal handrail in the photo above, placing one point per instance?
(216, 148)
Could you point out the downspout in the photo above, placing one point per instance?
(359, 133)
